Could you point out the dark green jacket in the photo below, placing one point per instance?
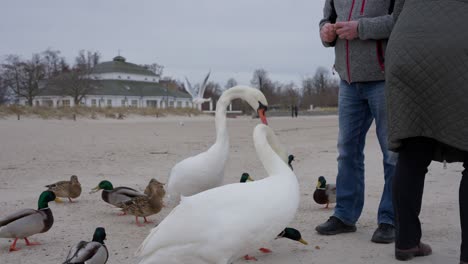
(427, 75)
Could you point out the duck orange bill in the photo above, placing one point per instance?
(261, 114)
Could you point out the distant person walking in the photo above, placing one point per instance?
(427, 95)
(359, 31)
(295, 111)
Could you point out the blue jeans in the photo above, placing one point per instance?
(358, 105)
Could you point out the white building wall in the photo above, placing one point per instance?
(113, 101)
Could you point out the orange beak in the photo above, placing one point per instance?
(261, 114)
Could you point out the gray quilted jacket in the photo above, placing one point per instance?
(362, 59)
(427, 75)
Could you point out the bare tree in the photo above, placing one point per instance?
(86, 60)
(320, 90)
(77, 82)
(230, 83)
(53, 63)
(213, 90)
(154, 68)
(23, 76)
(3, 91)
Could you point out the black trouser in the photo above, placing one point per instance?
(408, 185)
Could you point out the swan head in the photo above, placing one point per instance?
(292, 234)
(103, 185)
(245, 177)
(321, 183)
(257, 100)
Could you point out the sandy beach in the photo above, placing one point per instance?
(130, 152)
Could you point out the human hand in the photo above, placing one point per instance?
(347, 30)
(327, 33)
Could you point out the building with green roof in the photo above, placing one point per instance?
(118, 83)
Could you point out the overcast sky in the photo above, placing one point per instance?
(187, 37)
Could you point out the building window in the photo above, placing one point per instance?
(93, 102)
(134, 103)
(154, 79)
(186, 104)
(146, 79)
(66, 103)
(48, 103)
(124, 102)
(109, 102)
(152, 103)
(171, 104)
(128, 77)
(120, 77)
(37, 103)
(179, 104)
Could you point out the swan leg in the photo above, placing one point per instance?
(28, 243)
(247, 257)
(69, 199)
(13, 246)
(265, 250)
(148, 222)
(122, 213)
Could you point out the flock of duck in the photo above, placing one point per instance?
(209, 223)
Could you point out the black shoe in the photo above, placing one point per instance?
(417, 251)
(384, 234)
(334, 226)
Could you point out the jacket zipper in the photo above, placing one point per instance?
(347, 44)
(362, 7)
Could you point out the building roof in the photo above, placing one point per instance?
(122, 88)
(118, 64)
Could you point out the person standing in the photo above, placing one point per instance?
(358, 30)
(427, 73)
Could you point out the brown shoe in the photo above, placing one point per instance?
(418, 251)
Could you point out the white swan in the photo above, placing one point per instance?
(222, 224)
(206, 170)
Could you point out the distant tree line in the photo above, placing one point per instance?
(25, 77)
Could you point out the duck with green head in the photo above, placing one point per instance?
(290, 160)
(93, 252)
(27, 222)
(116, 196)
(325, 193)
(288, 232)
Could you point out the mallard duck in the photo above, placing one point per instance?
(149, 204)
(245, 177)
(288, 232)
(67, 189)
(325, 193)
(206, 170)
(153, 182)
(116, 196)
(27, 222)
(292, 234)
(204, 228)
(93, 252)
